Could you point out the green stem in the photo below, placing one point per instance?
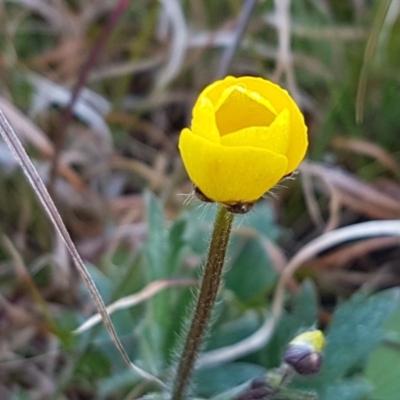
(205, 301)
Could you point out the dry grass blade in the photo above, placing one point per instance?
(326, 241)
(369, 53)
(374, 150)
(354, 251)
(229, 53)
(278, 260)
(311, 201)
(40, 189)
(354, 193)
(174, 13)
(24, 276)
(284, 60)
(336, 33)
(129, 301)
(26, 128)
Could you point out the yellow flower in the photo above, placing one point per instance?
(247, 133)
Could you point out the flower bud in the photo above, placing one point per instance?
(304, 353)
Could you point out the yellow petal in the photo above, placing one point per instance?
(274, 138)
(230, 174)
(203, 121)
(239, 108)
(315, 339)
(281, 100)
(214, 90)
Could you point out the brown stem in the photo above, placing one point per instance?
(205, 301)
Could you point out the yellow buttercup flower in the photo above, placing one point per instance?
(247, 134)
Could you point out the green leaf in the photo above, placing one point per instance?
(234, 330)
(383, 369)
(92, 364)
(200, 223)
(102, 282)
(355, 330)
(117, 382)
(302, 316)
(157, 239)
(232, 392)
(210, 382)
(251, 274)
(182, 301)
(261, 219)
(177, 246)
(305, 305)
(153, 334)
(347, 390)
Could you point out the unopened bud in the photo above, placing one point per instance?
(304, 353)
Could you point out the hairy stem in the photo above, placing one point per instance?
(205, 302)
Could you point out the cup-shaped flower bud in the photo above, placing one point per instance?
(304, 353)
(246, 134)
